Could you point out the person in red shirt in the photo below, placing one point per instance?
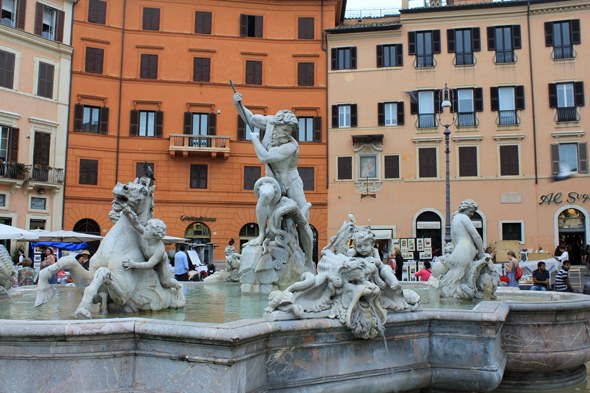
(424, 274)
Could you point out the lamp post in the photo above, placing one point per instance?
(446, 95)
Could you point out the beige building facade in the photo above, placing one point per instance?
(516, 75)
(35, 73)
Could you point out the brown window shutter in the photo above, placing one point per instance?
(334, 116)
(344, 168)
(93, 172)
(212, 129)
(317, 129)
(156, 19)
(98, 61)
(83, 172)
(295, 133)
(258, 26)
(134, 123)
(391, 167)
(78, 117)
(206, 70)
(468, 161)
(509, 160)
(579, 93)
(583, 157)
(380, 114)
(188, 123)
(400, 113)
(143, 71)
(301, 29)
(59, 26)
(49, 81)
(310, 74)
(13, 145)
(104, 121)
(198, 22)
(7, 69)
(241, 129)
(153, 66)
(353, 115)
(159, 124)
(379, 56)
(39, 19)
(427, 162)
(21, 14)
(243, 25)
(249, 73)
(554, 158)
(301, 74)
(258, 72)
(207, 22)
(45, 149)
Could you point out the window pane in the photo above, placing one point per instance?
(565, 33)
(347, 59)
(142, 123)
(568, 156)
(507, 39)
(499, 39)
(8, 12)
(344, 116)
(151, 124)
(390, 114)
(420, 43)
(428, 43)
(557, 34)
(4, 143)
(86, 119)
(565, 95)
(308, 130)
(465, 101)
(426, 102)
(506, 96)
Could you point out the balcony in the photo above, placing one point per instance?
(426, 121)
(45, 178)
(507, 118)
(567, 114)
(464, 59)
(467, 119)
(424, 61)
(13, 175)
(199, 144)
(504, 57)
(563, 52)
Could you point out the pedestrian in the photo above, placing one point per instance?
(511, 270)
(391, 261)
(21, 256)
(49, 259)
(424, 274)
(84, 259)
(563, 254)
(399, 264)
(26, 275)
(181, 264)
(562, 282)
(540, 278)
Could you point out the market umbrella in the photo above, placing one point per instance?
(174, 240)
(14, 233)
(65, 236)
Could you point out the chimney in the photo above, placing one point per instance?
(405, 4)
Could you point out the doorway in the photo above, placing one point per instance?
(572, 232)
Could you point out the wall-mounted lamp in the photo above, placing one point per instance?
(41, 191)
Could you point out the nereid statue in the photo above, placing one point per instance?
(116, 279)
(352, 285)
(275, 259)
(466, 272)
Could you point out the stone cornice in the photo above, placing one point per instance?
(542, 9)
(32, 41)
(9, 118)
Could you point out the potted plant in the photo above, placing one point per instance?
(20, 170)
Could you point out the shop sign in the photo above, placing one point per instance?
(191, 218)
(558, 198)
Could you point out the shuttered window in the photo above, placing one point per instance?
(306, 28)
(94, 60)
(390, 55)
(91, 119)
(467, 161)
(504, 40)
(571, 157)
(391, 164)
(427, 162)
(9, 144)
(307, 175)
(45, 80)
(88, 172)
(423, 45)
(305, 74)
(7, 69)
(463, 43)
(512, 231)
(344, 58)
(97, 11)
(562, 35)
(202, 22)
(41, 149)
(201, 69)
(390, 113)
(151, 19)
(149, 67)
(344, 116)
(253, 72)
(251, 26)
(251, 175)
(310, 129)
(344, 168)
(198, 176)
(146, 123)
(509, 160)
(49, 22)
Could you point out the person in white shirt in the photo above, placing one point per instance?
(564, 255)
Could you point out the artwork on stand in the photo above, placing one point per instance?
(368, 166)
(411, 245)
(427, 242)
(427, 249)
(419, 244)
(37, 258)
(407, 255)
(426, 255)
(404, 245)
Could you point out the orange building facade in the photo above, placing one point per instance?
(151, 83)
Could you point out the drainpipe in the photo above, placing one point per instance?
(327, 144)
(528, 21)
(63, 201)
(120, 91)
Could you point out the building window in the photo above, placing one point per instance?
(97, 11)
(38, 203)
(465, 103)
(9, 12)
(566, 98)
(36, 224)
(49, 22)
(251, 175)
(467, 161)
(423, 45)
(88, 172)
(45, 81)
(151, 19)
(94, 60)
(507, 101)
(562, 36)
(344, 116)
(572, 157)
(201, 69)
(41, 149)
(202, 22)
(6, 69)
(244, 131)
(390, 55)
(344, 58)
(463, 43)
(344, 168)
(149, 67)
(391, 163)
(427, 162)
(199, 176)
(307, 175)
(253, 72)
(512, 231)
(310, 129)
(306, 29)
(509, 160)
(91, 119)
(139, 169)
(250, 26)
(2, 200)
(425, 104)
(390, 113)
(146, 123)
(8, 146)
(200, 124)
(305, 74)
(504, 40)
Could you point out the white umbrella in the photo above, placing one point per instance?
(65, 236)
(174, 240)
(14, 233)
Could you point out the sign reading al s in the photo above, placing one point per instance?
(558, 198)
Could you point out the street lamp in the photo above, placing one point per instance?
(446, 96)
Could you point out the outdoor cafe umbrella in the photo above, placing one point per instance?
(174, 240)
(14, 233)
(65, 236)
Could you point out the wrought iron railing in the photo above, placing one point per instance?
(563, 52)
(505, 56)
(467, 120)
(424, 61)
(11, 170)
(462, 59)
(508, 118)
(199, 142)
(44, 174)
(426, 121)
(567, 114)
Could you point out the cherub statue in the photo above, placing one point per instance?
(232, 261)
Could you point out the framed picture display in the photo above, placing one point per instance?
(427, 249)
(404, 245)
(368, 166)
(419, 244)
(427, 242)
(37, 258)
(407, 255)
(426, 255)
(411, 245)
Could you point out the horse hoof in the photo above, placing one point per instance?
(83, 311)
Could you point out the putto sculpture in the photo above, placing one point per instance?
(274, 259)
(467, 272)
(352, 285)
(232, 263)
(117, 279)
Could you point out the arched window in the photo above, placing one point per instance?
(199, 232)
(248, 232)
(90, 227)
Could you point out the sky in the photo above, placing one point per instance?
(362, 4)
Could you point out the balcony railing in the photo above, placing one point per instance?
(10, 171)
(563, 52)
(466, 58)
(426, 121)
(567, 114)
(199, 143)
(508, 118)
(48, 175)
(467, 120)
(504, 56)
(424, 61)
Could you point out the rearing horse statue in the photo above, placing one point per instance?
(107, 282)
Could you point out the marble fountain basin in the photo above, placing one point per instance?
(221, 343)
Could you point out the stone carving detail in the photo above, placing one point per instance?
(465, 272)
(232, 263)
(7, 272)
(274, 259)
(352, 285)
(371, 185)
(115, 279)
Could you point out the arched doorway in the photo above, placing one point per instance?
(248, 232)
(571, 224)
(199, 233)
(429, 224)
(315, 244)
(90, 227)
